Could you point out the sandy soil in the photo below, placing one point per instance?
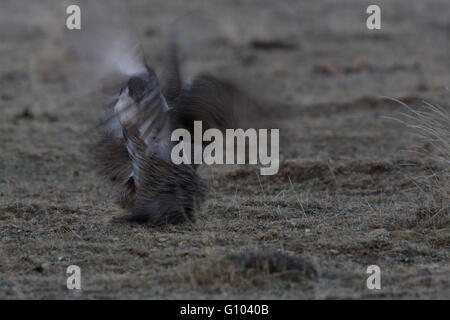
(350, 191)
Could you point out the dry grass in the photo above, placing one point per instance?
(431, 126)
(346, 196)
(431, 123)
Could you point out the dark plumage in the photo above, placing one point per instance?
(168, 193)
(134, 152)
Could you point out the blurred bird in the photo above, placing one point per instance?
(141, 113)
(135, 150)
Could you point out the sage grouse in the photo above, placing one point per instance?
(134, 152)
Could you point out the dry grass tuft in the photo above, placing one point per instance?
(432, 125)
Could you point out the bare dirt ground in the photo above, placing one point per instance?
(350, 191)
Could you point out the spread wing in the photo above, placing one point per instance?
(217, 103)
